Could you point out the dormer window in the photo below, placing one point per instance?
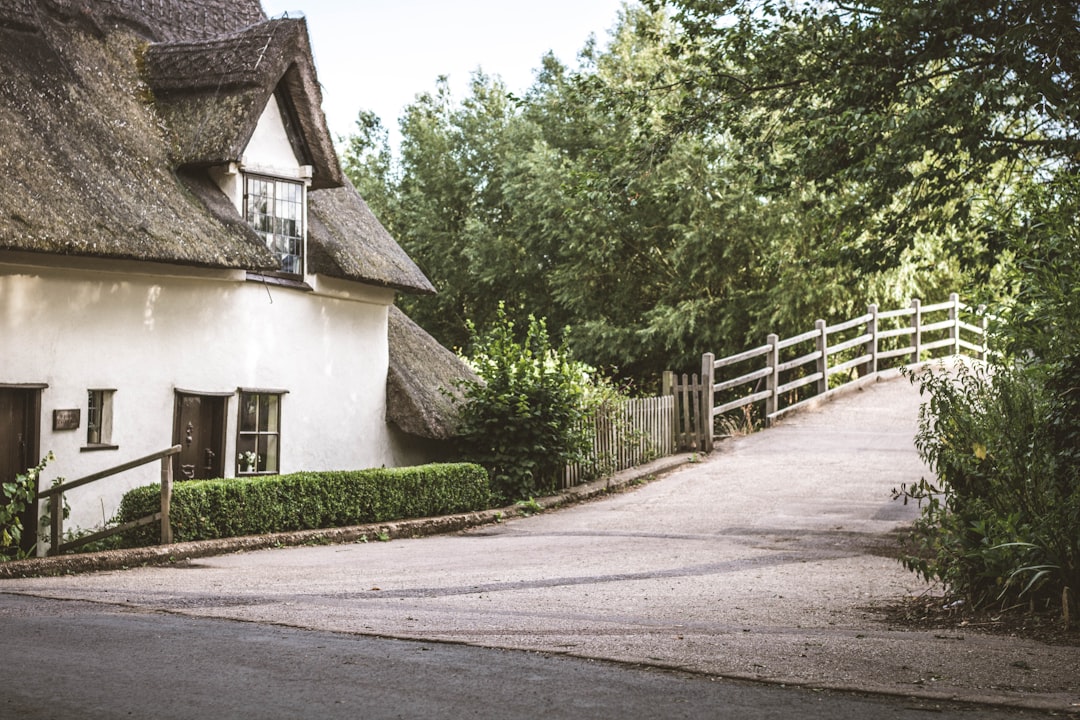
(275, 210)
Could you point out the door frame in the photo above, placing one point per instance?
(221, 420)
(31, 453)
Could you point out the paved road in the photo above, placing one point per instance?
(767, 561)
(94, 661)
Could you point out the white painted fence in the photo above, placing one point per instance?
(783, 374)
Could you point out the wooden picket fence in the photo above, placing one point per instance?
(783, 374)
(625, 434)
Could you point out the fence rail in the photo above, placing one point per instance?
(55, 495)
(784, 373)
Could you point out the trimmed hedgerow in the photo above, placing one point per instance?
(206, 509)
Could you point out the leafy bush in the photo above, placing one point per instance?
(206, 509)
(999, 523)
(1002, 521)
(523, 420)
(16, 497)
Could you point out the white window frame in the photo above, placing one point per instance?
(276, 240)
(99, 419)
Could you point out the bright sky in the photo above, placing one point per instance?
(379, 54)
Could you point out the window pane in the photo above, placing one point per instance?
(249, 408)
(93, 417)
(257, 440)
(268, 413)
(246, 452)
(275, 210)
(268, 453)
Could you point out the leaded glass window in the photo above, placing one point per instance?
(275, 210)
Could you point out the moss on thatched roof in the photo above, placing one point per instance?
(424, 378)
(111, 112)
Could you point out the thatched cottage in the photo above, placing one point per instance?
(183, 261)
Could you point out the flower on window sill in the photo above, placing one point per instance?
(247, 460)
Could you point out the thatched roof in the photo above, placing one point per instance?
(211, 94)
(337, 219)
(423, 378)
(112, 110)
(158, 20)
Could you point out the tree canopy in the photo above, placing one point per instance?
(722, 169)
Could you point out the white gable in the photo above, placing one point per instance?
(269, 152)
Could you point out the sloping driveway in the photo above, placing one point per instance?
(769, 560)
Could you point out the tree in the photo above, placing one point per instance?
(646, 233)
(910, 117)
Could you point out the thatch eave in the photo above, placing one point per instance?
(423, 386)
(346, 240)
(86, 169)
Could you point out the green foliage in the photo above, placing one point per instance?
(207, 509)
(17, 497)
(522, 420)
(645, 235)
(903, 117)
(1000, 523)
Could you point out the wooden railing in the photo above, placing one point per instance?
(782, 374)
(55, 495)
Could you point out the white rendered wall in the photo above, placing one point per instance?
(128, 326)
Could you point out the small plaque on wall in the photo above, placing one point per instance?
(65, 419)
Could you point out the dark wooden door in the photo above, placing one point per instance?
(200, 433)
(20, 414)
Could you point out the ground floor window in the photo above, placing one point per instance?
(99, 418)
(259, 433)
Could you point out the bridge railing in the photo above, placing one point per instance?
(783, 374)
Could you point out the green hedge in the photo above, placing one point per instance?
(205, 509)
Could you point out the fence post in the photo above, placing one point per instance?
(667, 387)
(166, 499)
(871, 345)
(916, 324)
(708, 382)
(772, 380)
(984, 346)
(954, 316)
(823, 359)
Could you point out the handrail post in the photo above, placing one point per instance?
(166, 499)
(823, 360)
(916, 324)
(708, 400)
(954, 316)
(56, 521)
(772, 380)
(872, 344)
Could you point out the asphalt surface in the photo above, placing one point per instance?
(95, 661)
(767, 561)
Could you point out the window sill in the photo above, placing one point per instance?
(95, 448)
(279, 281)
